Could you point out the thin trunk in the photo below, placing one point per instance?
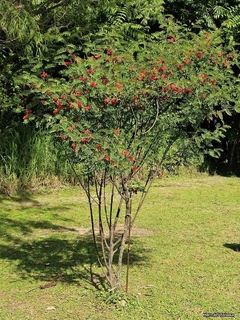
(123, 243)
(93, 233)
(126, 197)
(112, 274)
(129, 243)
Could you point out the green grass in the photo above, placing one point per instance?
(183, 264)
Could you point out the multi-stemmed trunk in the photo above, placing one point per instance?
(109, 240)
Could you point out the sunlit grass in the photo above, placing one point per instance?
(184, 266)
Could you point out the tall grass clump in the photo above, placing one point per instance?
(30, 159)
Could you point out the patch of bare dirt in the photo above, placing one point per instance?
(134, 232)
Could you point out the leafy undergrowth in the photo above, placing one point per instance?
(185, 266)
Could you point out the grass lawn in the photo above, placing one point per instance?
(184, 255)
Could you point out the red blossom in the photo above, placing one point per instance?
(134, 168)
(153, 77)
(44, 74)
(84, 141)
(59, 104)
(116, 131)
(106, 100)
(125, 153)
(107, 158)
(180, 66)
(114, 101)
(97, 56)
(187, 90)
(88, 108)
(67, 63)
(26, 116)
(173, 87)
(199, 54)
(187, 62)
(105, 80)
(63, 137)
(119, 85)
(71, 128)
(73, 145)
(171, 39)
(109, 52)
(93, 84)
(79, 104)
(87, 131)
(55, 111)
(142, 76)
(90, 71)
(83, 79)
(213, 82)
(130, 158)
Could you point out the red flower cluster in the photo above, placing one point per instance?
(28, 114)
(93, 84)
(105, 80)
(83, 79)
(125, 153)
(173, 87)
(171, 38)
(44, 74)
(67, 63)
(199, 54)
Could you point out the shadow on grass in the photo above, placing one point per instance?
(232, 246)
(44, 258)
(20, 198)
(26, 227)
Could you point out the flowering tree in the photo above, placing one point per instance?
(118, 114)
